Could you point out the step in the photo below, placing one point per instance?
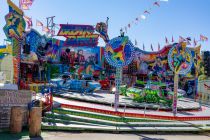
(73, 127)
(54, 120)
(60, 118)
(103, 116)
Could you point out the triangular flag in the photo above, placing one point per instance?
(39, 23)
(29, 21)
(195, 42)
(166, 40)
(172, 40)
(24, 7)
(146, 12)
(151, 47)
(203, 38)
(45, 29)
(27, 2)
(181, 39)
(157, 3)
(24, 4)
(188, 39)
(158, 46)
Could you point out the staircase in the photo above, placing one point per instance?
(80, 120)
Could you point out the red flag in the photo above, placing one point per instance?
(146, 12)
(203, 38)
(166, 40)
(158, 46)
(172, 40)
(39, 23)
(29, 21)
(151, 47)
(157, 3)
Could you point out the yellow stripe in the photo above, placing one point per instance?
(18, 10)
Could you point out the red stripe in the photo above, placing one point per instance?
(188, 118)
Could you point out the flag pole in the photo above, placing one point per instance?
(20, 4)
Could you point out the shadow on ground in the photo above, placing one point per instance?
(23, 135)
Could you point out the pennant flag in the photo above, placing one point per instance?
(136, 43)
(143, 17)
(166, 40)
(146, 12)
(24, 7)
(158, 46)
(172, 40)
(45, 29)
(181, 39)
(188, 38)
(143, 47)
(203, 38)
(157, 3)
(39, 23)
(29, 21)
(195, 42)
(25, 4)
(151, 47)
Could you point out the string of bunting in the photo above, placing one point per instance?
(181, 39)
(143, 16)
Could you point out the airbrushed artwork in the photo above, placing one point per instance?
(95, 76)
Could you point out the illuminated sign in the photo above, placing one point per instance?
(78, 35)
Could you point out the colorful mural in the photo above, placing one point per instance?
(78, 35)
(119, 52)
(82, 59)
(180, 59)
(14, 30)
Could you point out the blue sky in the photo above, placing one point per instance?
(187, 18)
